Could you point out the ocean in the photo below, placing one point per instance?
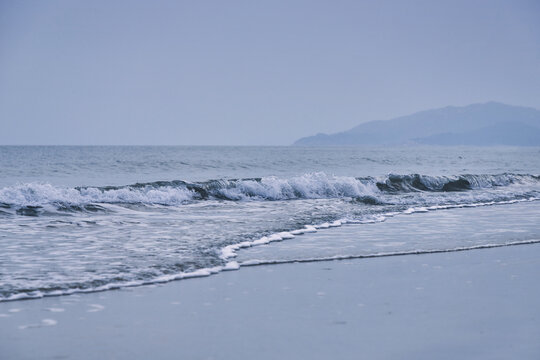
(82, 219)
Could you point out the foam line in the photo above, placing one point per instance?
(376, 255)
(229, 251)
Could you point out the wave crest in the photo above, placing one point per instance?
(417, 182)
(307, 186)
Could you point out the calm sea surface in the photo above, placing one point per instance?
(76, 219)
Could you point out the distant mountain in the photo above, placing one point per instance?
(477, 124)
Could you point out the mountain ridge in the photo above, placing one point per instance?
(429, 126)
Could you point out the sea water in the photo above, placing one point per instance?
(78, 219)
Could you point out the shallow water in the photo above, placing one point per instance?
(441, 230)
(87, 218)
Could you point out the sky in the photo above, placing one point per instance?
(133, 72)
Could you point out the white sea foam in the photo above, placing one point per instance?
(231, 265)
(230, 251)
(308, 186)
(34, 194)
(95, 308)
(44, 322)
(49, 322)
(309, 229)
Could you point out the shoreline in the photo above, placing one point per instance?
(467, 304)
(229, 253)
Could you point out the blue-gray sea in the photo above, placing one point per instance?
(78, 219)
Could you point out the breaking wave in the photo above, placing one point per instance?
(27, 198)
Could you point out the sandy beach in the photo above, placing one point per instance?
(269, 180)
(478, 304)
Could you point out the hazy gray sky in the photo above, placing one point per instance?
(252, 72)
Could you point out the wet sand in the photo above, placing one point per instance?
(477, 304)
